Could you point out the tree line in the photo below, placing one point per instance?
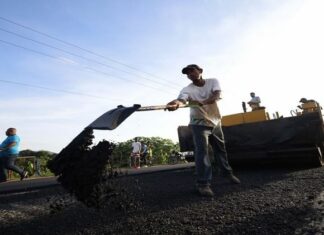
(161, 149)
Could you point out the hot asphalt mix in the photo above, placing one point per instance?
(270, 200)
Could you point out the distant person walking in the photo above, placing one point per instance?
(9, 150)
(254, 102)
(144, 153)
(149, 154)
(136, 153)
(205, 123)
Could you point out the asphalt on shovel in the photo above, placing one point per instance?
(81, 168)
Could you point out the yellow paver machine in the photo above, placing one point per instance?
(254, 137)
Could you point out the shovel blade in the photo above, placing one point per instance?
(113, 118)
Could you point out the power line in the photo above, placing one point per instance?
(51, 89)
(28, 49)
(88, 68)
(83, 49)
(80, 56)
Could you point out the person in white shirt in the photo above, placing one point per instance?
(254, 102)
(136, 153)
(205, 123)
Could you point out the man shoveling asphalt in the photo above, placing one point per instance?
(205, 122)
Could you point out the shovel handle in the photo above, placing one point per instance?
(160, 107)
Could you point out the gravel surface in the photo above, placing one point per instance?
(268, 201)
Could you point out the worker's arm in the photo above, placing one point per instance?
(215, 96)
(8, 146)
(174, 104)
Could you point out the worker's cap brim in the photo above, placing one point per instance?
(190, 67)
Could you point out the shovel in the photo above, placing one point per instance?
(80, 167)
(113, 118)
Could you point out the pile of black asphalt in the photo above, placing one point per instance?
(84, 170)
(270, 200)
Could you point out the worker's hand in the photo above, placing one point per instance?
(173, 105)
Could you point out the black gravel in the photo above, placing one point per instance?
(84, 170)
(270, 200)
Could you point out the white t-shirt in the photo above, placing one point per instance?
(206, 115)
(136, 147)
(255, 100)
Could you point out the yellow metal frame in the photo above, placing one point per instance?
(248, 117)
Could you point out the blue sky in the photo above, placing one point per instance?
(274, 48)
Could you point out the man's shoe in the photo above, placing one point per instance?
(233, 179)
(24, 175)
(205, 191)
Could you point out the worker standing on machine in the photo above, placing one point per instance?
(254, 102)
(309, 105)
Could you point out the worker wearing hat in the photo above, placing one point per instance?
(205, 123)
(315, 106)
